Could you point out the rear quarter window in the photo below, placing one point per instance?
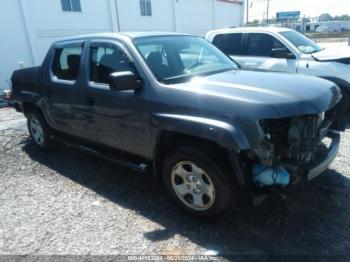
(66, 63)
(230, 44)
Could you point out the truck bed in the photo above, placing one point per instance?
(27, 80)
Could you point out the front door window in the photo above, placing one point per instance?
(106, 60)
(262, 45)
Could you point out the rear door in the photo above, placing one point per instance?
(254, 51)
(63, 88)
(258, 54)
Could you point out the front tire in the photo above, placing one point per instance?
(342, 110)
(38, 130)
(197, 183)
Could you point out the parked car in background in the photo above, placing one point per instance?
(285, 50)
(175, 105)
(321, 29)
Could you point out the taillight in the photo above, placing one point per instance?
(8, 91)
(7, 94)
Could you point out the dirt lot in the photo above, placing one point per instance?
(67, 202)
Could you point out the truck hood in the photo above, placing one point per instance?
(287, 94)
(332, 54)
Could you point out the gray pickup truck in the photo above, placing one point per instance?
(176, 106)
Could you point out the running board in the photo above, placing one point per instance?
(113, 157)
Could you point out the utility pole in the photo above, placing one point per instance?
(247, 12)
(267, 12)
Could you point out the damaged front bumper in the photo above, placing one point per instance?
(327, 158)
(322, 162)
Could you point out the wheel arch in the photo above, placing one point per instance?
(28, 107)
(340, 82)
(344, 104)
(168, 140)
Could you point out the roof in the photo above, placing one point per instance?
(131, 35)
(254, 29)
(150, 33)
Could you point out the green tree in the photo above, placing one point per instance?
(325, 17)
(342, 18)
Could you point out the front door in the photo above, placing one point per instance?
(120, 119)
(258, 54)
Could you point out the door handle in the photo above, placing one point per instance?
(90, 101)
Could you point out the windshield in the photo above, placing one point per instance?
(178, 58)
(304, 44)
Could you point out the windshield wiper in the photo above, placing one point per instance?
(197, 74)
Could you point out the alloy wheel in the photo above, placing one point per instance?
(193, 185)
(37, 130)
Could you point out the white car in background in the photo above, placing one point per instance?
(322, 29)
(285, 50)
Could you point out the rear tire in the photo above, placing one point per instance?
(39, 130)
(197, 183)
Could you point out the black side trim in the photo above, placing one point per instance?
(106, 154)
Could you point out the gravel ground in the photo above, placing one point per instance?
(70, 203)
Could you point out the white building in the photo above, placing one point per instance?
(28, 27)
(330, 26)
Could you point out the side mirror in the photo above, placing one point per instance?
(282, 53)
(125, 80)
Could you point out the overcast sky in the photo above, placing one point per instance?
(311, 8)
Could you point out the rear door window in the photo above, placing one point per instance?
(230, 44)
(261, 45)
(66, 63)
